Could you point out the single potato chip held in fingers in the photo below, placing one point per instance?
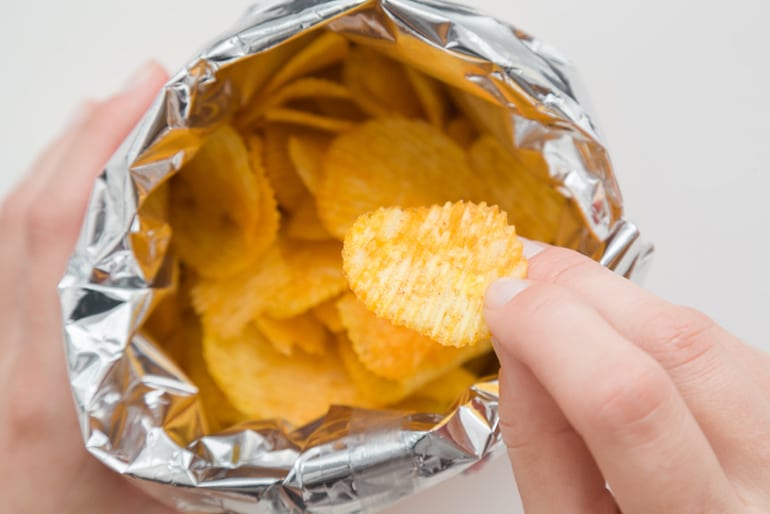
(427, 268)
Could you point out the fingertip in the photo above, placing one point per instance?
(147, 77)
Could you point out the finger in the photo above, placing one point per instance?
(554, 470)
(624, 405)
(705, 361)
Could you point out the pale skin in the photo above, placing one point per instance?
(601, 382)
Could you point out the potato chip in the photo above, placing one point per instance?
(215, 207)
(385, 349)
(305, 224)
(390, 162)
(220, 413)
(314, 275)
(306, 88)
(304, 332)
(288, 279)
(289, 189)
(269, 217)
(462, 131)
(322, 52)
(532, 204)
(325, 50)
(379, 84)
(326, 312)
(427, 268)
(382, 391)
(308, 119)
(306, 152)
(440, 394)
(264, 384)
(435, 103)
(377, 390)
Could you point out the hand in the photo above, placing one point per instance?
(602, 383)
(45, 467)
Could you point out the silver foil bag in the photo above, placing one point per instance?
(141, 416)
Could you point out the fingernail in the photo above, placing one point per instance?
(531, 248)
(502, 290)
(139, 78)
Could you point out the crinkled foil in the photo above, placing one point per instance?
(139, 413)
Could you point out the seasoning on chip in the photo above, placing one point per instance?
(427, 268)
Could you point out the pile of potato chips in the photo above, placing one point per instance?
(342, 144)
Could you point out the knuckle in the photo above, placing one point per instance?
(562, 266)
(625, 404)
(679, 336)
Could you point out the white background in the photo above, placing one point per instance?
(680, 88)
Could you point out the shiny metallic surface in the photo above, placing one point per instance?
(140, 414)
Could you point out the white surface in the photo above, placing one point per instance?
(680, 88)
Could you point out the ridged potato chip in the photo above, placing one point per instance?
(532, 205)
(305, 224)
(306, 152)
(215, 207)
(385, 349)
(376, 389)
(326, 312)
(391, 162)
(382, 391)
(379, 84)
(303, 331)
(265, 384)
(322, 52)
(306, 88)
(290, 278)
(462, 131)
(289, 189)
(308, 119)
(427, 268)
(434, 102)
(440, 394)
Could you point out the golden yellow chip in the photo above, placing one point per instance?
(290, 278)
(375, 389)
(304, 332)
(535, 207)
(385, 349)
(328, 48)
(440, 394)
(427, 268)
(322, 52)
(390, 162)
(382, 391)
(306, 152)
(308, 119)
(215, 207)
(288, 186)
(326, 312)
(307, 88)
(269, 217)
(379, 84)
(220, 413)
(435, 103)
(264, 384)
(462, 131)
(304, 223)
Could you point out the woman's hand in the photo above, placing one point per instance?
(45, 467)
(604, 384)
